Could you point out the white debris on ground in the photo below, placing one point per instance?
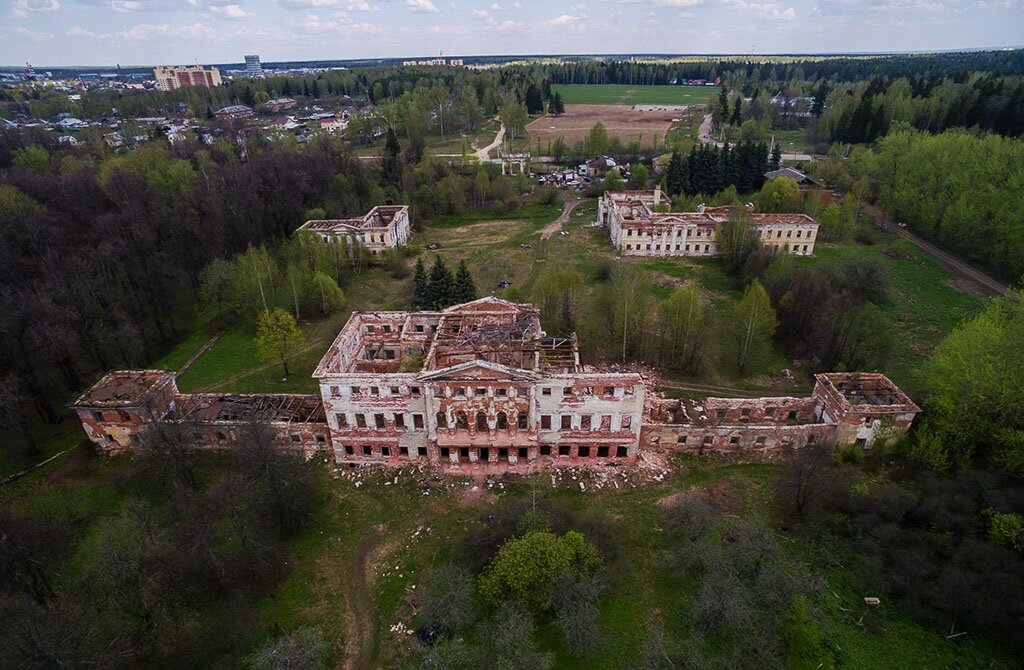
(650, 467)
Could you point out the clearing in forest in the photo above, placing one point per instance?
(625, 94)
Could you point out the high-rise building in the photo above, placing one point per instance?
(253, 68)
(172, 77)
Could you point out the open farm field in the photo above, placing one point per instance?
(622, 94)
(627, 124)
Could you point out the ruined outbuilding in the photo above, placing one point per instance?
(383, 227)
(482, 385)
(637, 227)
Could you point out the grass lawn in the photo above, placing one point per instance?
(622, 94)
(925, 302)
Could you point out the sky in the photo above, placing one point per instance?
(151, 32)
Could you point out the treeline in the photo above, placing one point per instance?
(441, 288)
(780, 69)
(708, 169)
(960, 190)
(102, 257)
(169, 579)
(864, 112)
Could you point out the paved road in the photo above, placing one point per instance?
(949, 260)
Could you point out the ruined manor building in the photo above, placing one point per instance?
(638, 229)
(481, 385)
(383, 227)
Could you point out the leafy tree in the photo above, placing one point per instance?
(421, 298)
(597, 141)
(32, 158)
(463, 288)
(613, 181)
(686, 325)
(526, 567)
(638, 176)
(754, 325)
(975, 385)
(781, 194)
(736, 241)
(278, 337)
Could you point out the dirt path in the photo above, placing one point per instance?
(958, 266)
(557, 224)
(362, 624)
(482, 153)
(705, 129)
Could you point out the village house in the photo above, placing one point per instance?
(232, 112)
(383, 227)
(481, 385)
(637, 228)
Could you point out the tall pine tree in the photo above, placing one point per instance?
(463, 288)
(440, 285)
(420, 287)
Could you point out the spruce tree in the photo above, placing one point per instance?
(534, 101)
(559, 105)
(390, 160)
(776, 156)
(736, 118)
(440, 285)
(420, 287)
(673, 181)
(463, 289)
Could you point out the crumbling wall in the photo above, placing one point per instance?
(734, 439)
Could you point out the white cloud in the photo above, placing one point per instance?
(230, 11)
(34, 35)
(78, 31)
(562, 20)
(422, 6)
(340, 24)
(480, 14)
(150, 31)
(307, 4)
(22, 8)
(361, 6)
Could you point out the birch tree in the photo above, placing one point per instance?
(754, 324)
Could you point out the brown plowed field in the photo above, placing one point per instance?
(620, 121)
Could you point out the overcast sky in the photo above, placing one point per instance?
(147, 32)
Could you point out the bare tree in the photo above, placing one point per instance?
(812, 474)
(168, 454)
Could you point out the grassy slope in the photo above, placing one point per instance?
(923, 303)
(621, 94)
